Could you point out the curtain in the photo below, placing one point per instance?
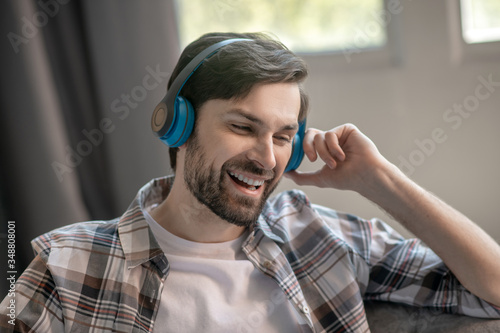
(79, 81)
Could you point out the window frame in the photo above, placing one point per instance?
(357, 58)
(462, 52)
(386, 56)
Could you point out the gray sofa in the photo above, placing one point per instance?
(388, 318)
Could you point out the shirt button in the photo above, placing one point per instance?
(305, 309)
(268, 264)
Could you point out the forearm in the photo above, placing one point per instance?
(354, 163)
(471, 254)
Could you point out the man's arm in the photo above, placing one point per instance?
(35, 305)
(354, 163)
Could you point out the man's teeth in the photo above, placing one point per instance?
(246, 180)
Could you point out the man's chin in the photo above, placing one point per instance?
(243, 214)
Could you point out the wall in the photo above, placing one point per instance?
(402, 95)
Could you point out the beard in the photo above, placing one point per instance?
(208, 186)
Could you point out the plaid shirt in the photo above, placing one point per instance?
(109, 275)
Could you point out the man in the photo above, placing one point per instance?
(208, 251)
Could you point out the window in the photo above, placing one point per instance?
(480, 20)
(304, 26)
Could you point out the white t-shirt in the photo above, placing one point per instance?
(212, 287)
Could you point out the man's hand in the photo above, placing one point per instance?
(353, 162)
(350, 157)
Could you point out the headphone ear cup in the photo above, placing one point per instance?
(297, 153)
(183, 123)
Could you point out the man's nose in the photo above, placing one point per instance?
(262, 154)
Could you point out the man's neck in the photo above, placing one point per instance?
(184, 216)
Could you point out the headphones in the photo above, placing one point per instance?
(173, 117)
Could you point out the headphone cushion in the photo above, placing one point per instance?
(183, 123)
(297, 153)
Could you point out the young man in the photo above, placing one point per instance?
(208, 251)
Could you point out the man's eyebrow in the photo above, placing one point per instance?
(258, 121)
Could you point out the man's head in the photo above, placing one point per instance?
(235, 69)
(248, 103)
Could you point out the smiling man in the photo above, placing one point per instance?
(233, 162)
(208, 250)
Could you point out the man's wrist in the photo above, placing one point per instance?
(382, 183)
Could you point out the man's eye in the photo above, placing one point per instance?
(241, 128)
(284, 139)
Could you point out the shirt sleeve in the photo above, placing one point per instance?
(392, 268)
(34, 304)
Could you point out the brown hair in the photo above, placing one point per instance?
(236, 68)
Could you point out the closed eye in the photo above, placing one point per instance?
(284, 139)
(281, 140)
(241, 128)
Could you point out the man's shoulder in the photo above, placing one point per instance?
(294, 209)
(297, 201)
(293, 202)
(85, 235)
(291, 199)
(289, 209)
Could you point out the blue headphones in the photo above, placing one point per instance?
(173, 117)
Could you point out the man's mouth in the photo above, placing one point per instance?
(250, 183)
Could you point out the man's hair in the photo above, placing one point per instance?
(236, 68)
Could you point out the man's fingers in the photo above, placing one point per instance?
(308, 144)
(332, 142)
(322, 149)
(324, 144)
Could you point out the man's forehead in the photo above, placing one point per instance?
(269, 98)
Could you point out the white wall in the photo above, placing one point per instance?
(402, 94)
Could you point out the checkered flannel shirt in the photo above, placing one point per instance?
(108, 275)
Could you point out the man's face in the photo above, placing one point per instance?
(240, 149)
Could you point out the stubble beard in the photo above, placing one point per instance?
(208, 187)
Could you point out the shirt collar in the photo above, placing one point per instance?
(138, 241)
(282, 206)
(265, 226)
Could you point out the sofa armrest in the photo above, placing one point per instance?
(386, 317)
